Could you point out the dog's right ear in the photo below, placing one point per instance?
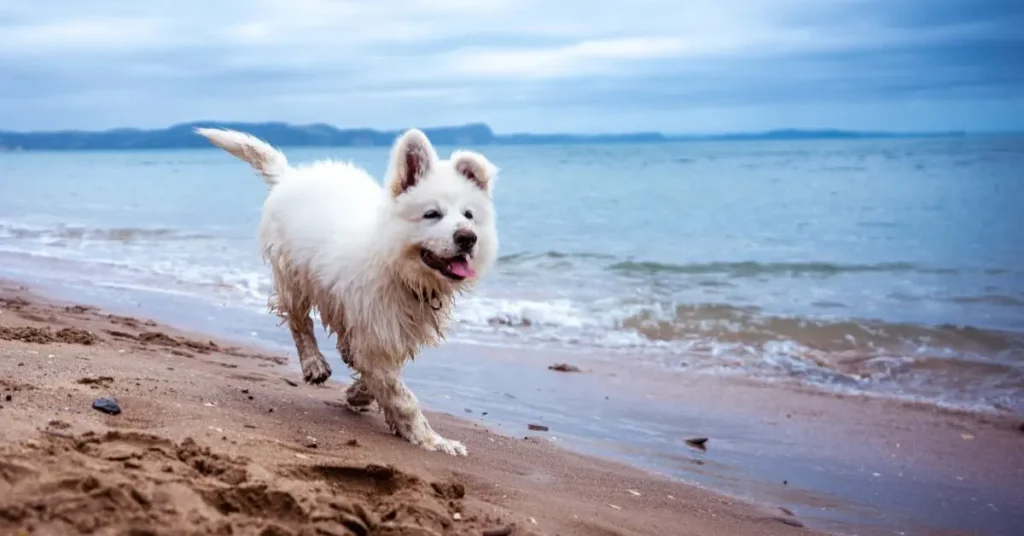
(412, 156)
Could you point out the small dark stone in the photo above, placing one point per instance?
(251, 398)
(99, 380)
(245, 391)
(289, 382)
(271, 410)
(785, 482)
(7, 398)
(1021, 427)
(501, 531)
(484, 413)
(788, 521)
(106, 405)
(467, 410)
(352, 442)
(538, 427)
(698, 442)
(249, 426)
(564, 367)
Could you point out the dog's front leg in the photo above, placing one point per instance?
(402, 410)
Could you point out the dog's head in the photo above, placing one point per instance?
(443, 214)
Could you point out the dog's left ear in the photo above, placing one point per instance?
(412, 156)
(475, 167)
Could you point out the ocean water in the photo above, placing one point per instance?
(893, 267)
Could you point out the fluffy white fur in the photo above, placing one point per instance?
(382, 264)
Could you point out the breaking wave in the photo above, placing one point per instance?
(962, 364)
(732, 269)
(60, 233)
(616, 307)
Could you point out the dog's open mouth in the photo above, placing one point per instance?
(456, 268)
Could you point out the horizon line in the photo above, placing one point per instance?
(477, 124)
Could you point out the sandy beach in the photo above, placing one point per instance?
(218, 438)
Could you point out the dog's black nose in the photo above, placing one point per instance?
(465, 239)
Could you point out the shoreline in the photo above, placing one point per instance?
(974, 366)
(833, 460)
(214, 436)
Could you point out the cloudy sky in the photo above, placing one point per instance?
(686, 66)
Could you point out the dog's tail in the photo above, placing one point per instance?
(264, 158)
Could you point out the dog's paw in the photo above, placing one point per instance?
(452, 447)
(357, 395)
(315, 371)
(447, 446)
(357, 409)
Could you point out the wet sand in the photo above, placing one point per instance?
(845, 464)
(219, 438)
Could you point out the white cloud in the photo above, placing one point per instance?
(396, 62)
(583, 58)
(87, 34)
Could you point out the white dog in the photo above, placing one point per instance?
(381, 265)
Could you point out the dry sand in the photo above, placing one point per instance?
(220, 439)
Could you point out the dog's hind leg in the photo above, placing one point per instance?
(314, 367)
(294, 307)
(357, 395)
(401, 408)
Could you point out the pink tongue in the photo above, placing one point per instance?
(461, 268)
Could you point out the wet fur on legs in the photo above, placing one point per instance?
(381, 264)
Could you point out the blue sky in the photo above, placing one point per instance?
(687, 66)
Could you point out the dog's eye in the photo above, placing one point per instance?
(468, 214)
(432, 215)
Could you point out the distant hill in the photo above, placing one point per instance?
(321, 135)
(825, 134)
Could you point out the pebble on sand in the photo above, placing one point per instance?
(106, 405)
(698, 442)
(564, 367)
(538, 427)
